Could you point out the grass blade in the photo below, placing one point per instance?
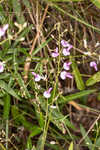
(17, 10)
(87, 139)
(78, 78)
(77, 19)
(4, 86)
(6, 107)
(22, 85)
(71, 146)
(6, 112)
(65, 99)
(41, 46)
(94, 79)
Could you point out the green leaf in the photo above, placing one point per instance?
(6, 110)
(22, 85)
(64, 99)
(17, 10)
(41, 46)
(96, 3)
(27, 4)
(20, 119)
(87, 139)
(71, 146)
(97, 144)
(4, 75)
(16, 115)
(23, 34)
(2, 14)
(29, 143)
(78, 78)
(57, 117)
(35, 131)
(3, 85)
(94, 79)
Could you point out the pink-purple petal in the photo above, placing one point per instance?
(69, 75)
(3, 30)
(55, 53)
(47, 93)
(94, 65)
(1, 67)
(37, 77)
(5, 27)
(66, 65)
(64, 43)
(66, 52)
(63, 75)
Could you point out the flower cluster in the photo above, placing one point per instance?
(37, 78)
(66, 47)
(66, 66)
(66, 51)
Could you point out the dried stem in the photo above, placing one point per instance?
(28, 59)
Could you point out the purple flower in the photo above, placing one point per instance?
(47, 93)
(1, 67)
(94, 65)
(55, 53)
(64, 43)
(37, 77)
(3, 30)
(66, 52)
(66, 48)
(66, 65)
(65, 74)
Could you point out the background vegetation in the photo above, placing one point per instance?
(69, 119)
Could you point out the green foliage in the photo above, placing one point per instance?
(93, 79)
(71, 146)
(27, 4)
(88, 141)
(4, 86)
(6, 110)
(78, 78)
(22, 104)
(96, 3)
(41, 46)
(18, 11)
(24, 90)
(64, 99)
(75, 18)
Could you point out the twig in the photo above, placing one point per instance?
(28, 59)
(89, 130)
